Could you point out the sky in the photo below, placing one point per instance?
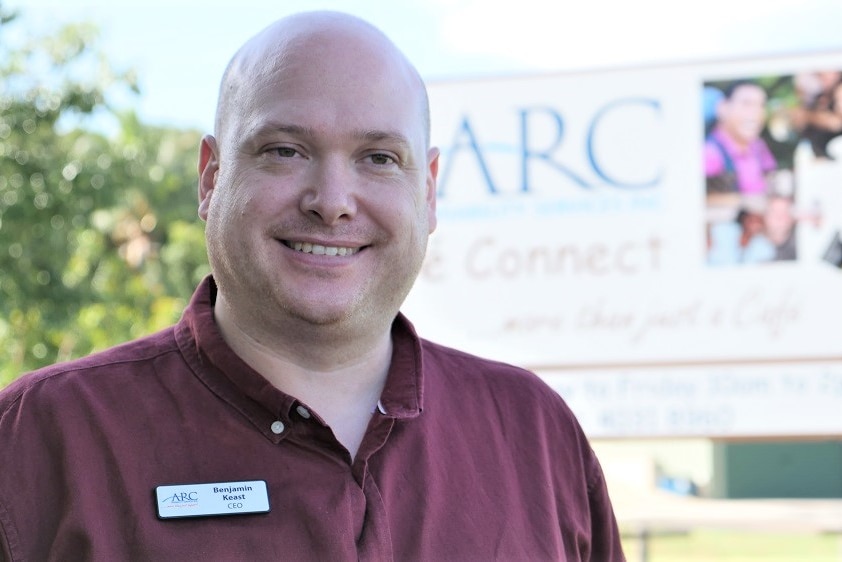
(179, 48)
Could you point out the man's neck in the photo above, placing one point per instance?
(340, 379)
(739, 142)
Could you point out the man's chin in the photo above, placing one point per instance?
(320, 314)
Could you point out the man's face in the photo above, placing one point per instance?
(324, 196)
(753, 224)
(779, 220)
(743, 115)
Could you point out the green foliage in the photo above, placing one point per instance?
(99, 240)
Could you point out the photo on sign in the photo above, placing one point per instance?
(772, 159)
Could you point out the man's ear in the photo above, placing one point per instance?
(208, 170)
(432, 186)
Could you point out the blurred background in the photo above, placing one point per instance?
(102, 105)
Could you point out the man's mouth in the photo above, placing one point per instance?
(319, 250)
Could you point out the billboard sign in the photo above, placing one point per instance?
(663, 227)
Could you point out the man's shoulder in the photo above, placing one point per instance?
(449, 356)
(486, 394)
(715, 154)
(126, 359)
(461, 370)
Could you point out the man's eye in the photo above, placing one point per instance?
(284, 151)
(381, 159)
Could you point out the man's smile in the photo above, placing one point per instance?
(320, 250)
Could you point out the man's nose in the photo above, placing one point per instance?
(329, 195)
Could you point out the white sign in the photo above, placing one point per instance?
(590, 220)
(786, 400)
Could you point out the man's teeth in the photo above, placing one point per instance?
(320, 250)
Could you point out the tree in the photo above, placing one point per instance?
(99, 240)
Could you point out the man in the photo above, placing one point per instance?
(293, 413)
(743, 240)
(736, 159)
(819, 115)
(779, 220)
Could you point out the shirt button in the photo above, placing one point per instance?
(277, 427)
(303, 412)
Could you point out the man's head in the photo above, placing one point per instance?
(270, 50)
(750, 216)
(742, 112)
(779, 219)
(319, 186)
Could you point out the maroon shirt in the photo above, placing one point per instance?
(467, 460)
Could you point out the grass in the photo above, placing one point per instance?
(733, 546)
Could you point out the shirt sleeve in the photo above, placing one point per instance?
(5, 548)
(605, 534)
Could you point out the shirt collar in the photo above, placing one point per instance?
(402, 395)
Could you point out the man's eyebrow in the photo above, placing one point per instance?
(276, 127)
(308, 132)
(379, 135)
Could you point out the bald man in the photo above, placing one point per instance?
(293, 413)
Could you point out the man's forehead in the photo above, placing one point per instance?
(753, 91)
(319, 50)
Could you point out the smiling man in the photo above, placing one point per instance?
(736, 158)
(293, 413)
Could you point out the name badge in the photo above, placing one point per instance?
(219, 498)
